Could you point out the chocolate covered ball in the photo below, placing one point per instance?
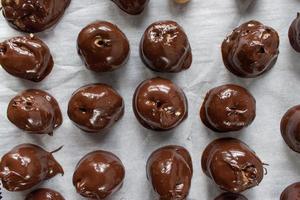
(251, 49)
(170, 171)
(27, 165)
(103, 46)
(230, 196)
(232, 165)
(165, 47)
(133, 7)
(290, 128)
(26, 57)
(35, 111)
(159, 104)
(95, 107)
(44, 194)
(98, 175)
(33, 15)
(292, 192)
(228, 108)
(294, 32)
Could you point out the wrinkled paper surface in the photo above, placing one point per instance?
(206, 23)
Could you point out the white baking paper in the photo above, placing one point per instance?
(206, 22)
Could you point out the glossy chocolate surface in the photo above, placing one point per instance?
(290, 128)
(170, 171)
(292, 192)
(26, 57)
(231, 196)
(44, 194)
(232, 165)
(228, 108)
(27, 165)
(133, 7)
(251, 49)
(159, 104)
(294, 33)
(103, 46)
(95, 107)
(98, 175)
(165, 47)
(33, 15)
(35, 111)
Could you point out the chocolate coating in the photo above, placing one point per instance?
(33, 15)
(44, 194)
(294, 33)
(251, 49)
(165, 47)
(95, 107)
(98, 175)
(133, 7)
(27, 165)
(228, 108)
(103, 46)
(232, 165)
(26, 57)
(170, 171)
(159, 104)
(292, 192)
(35, 111)
(290, 128)
(231, 196)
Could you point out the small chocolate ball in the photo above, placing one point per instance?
(98, 175)
(103, 46)
(27, 165)
(132, 7)
(159, 104)
(292, 192)
(170, 171)
(44, 194)
(290, 128)
(165, 47)
(230, 196)
(34, 15)
(251, 49)
(232, 165)
(228, 108)
(95, 107)
(26, 57)
(35, 111)
(294, 32)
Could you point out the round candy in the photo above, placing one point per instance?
(133, 7)
(294, 32)
(159, 104)
(292, 192)
(44, 194)
(103, 46)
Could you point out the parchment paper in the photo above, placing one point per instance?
(206, 22)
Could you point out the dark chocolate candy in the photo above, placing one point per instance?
(230, 196)
(294, 33)
(292, 192)
(133, 7)
(44, 194)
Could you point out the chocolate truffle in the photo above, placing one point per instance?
(228, 108)
(159, 104)
(44, 194)
(26, 57)
(230, 196)
(27, 165)
(165, 47)
(232, 165)
(251, 49)
(170, 171)
(35, 111)
(98, 175)
(133, 7)
(290, 128)
(103, 46)
(34, 15)
(294, 33)
(95, 107)
(292, 192)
